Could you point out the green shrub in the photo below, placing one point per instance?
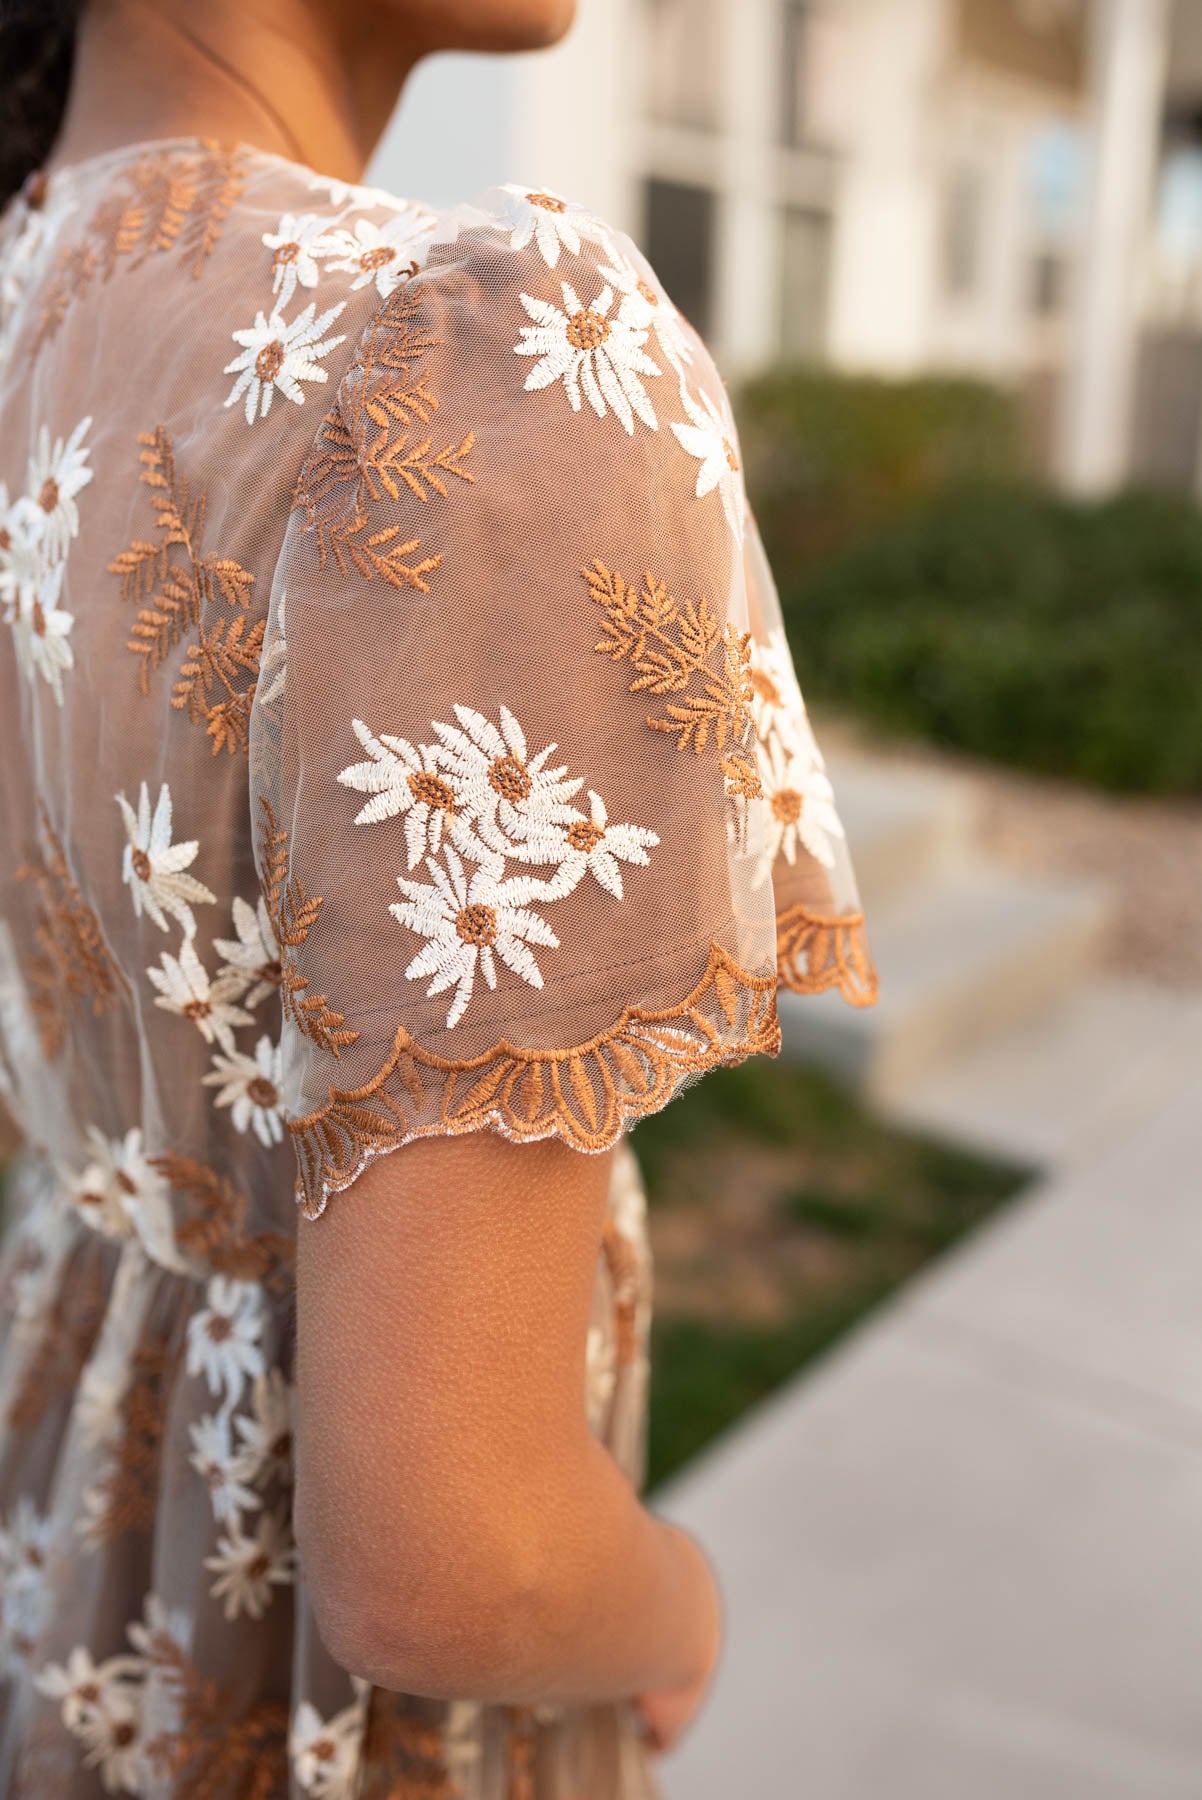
(830, 457)
(1044, 633)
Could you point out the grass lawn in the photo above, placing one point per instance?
(781, 1212)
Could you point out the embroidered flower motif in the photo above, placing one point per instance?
(96, 1414)
(83, 1687)
(223, 1336)
(590, 348)
(121, 1193)
(30, 586)
(776, 704)
(548, 220)
(253, 957)
(96, 1190)
(470, 919)
(220, 1466)
(265, 1453)
(111, 1734)
(56, 475)
(153, 867)
(326, 1753)
(645, 304)
(276, 355)
(298, 244)
(185, 988)
(273, 663)
(383, 255)
(501, 793)
(24, 1596)
(405, 780)
(710, 438)
(41, 629)
(800, 807)
(247, 1568)
(250, 1086)
(591, 844)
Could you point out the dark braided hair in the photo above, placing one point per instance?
(37, 48)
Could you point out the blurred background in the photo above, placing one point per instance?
(928, 1359)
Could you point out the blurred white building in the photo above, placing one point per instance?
(1011, 188)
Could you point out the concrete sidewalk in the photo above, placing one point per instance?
(963, 1559)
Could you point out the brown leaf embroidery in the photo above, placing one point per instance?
(169, 200)
(67, 1336)
(220, 1749)
(130, 1487)
(293, 913)
(69, 959)
(176, 584)
(368, 449)
(677, 649)
(216, 1233)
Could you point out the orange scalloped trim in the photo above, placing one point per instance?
(814, 953)
(584, 1095)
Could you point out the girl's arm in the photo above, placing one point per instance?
(463, 1534)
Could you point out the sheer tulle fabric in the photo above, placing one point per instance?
(399, 738)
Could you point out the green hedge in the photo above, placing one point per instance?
(830, 457)
(1046, 634)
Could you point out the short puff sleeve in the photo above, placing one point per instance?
(528, 751)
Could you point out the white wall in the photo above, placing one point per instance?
(883, 260)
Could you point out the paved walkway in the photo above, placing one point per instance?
(963, 1559)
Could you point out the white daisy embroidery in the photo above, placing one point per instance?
(276, 355)
(776, 703)
(253, 957)
(383, 255)
(111, 1734)
(223, 1336)
(41, 632)
(121, 1193)
(325, 1753)
(250, 1087)
(185, 989)
(551, 223)
(646, 304)
(298, 244)
(710, 438)
(221, 1467)
(96, 1190)
(800, 806)
(248, 1567)
(498, 790)
(591, 844)
(593, 350)
(24, 1596)
(57, 473)
(153, 867)
(265, 1453)
(402, 779)
(22, 532)
(468, 920)
(30, 587)
(83, 1687)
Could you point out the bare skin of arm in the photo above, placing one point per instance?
(463, 1534)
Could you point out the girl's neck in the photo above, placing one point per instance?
(281, 75)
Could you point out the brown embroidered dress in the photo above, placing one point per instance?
(398, 738)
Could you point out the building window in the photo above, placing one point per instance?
(804, 283)
(961, 231)
(679, 237)
(795, 69)
(682, 69)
